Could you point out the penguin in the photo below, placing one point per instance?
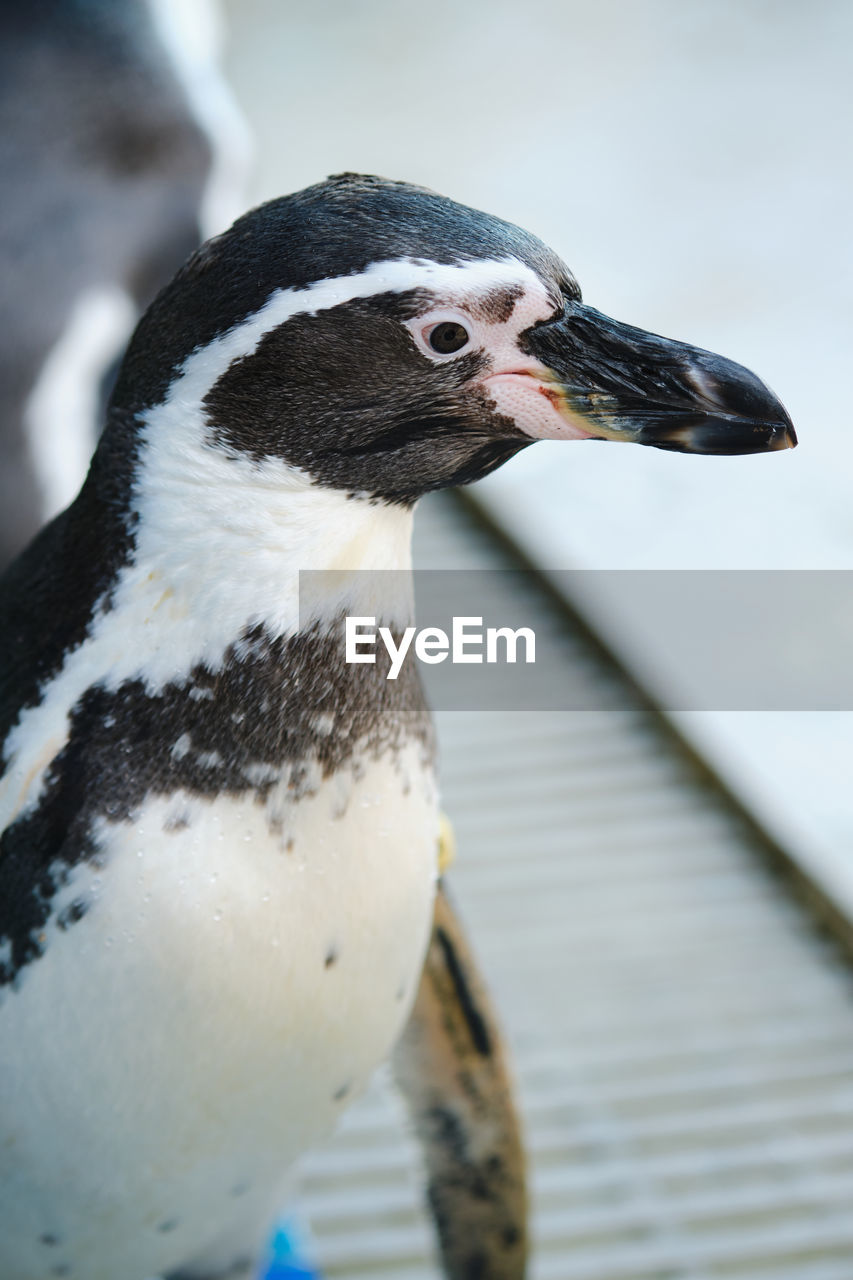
(136, 196)
(120, 150)
(218, 852)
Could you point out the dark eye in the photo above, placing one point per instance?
(448, 337)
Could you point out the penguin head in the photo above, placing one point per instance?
(387, 342)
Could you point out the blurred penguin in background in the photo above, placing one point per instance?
(120, 150)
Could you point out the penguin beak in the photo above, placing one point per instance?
(614, 382)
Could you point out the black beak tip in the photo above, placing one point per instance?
(788, 437)
(744, 415)
(779, 435)
(721, 436)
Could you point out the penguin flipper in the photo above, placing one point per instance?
(451, 1068)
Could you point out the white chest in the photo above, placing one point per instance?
(235, 982)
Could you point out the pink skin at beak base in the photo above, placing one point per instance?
(535, 403)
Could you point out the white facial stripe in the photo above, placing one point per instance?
(203, 368)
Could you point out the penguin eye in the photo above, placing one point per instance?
(447, 337)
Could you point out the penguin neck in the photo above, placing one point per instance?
(200, 514)
(220, 540)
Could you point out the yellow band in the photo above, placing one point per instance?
(446, 844)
